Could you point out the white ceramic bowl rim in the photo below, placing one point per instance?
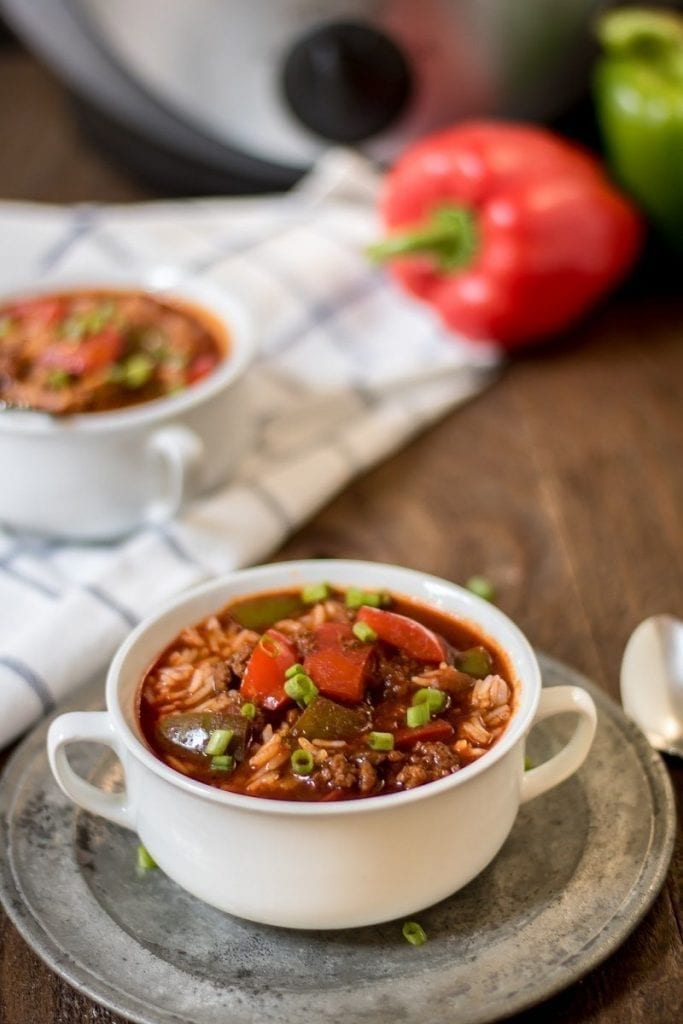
(335, 570)
(220, 302)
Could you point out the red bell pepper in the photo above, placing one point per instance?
(200, 367)
(431, 732)
(94, 353)
(43, 312)
(510, 232)
(338, 664)
(263, 681)
(409, 636)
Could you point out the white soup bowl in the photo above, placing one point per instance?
(96, 476)
(321, 865)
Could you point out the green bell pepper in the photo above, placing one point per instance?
(638, 88)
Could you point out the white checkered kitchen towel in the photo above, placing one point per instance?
(364, 367)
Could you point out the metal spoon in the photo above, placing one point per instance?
(652, 681)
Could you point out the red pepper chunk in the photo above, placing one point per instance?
(433, 732)
(263, 682)
(409, 636)
(45, 312)
(338, 664)
(95, 353)
(200, 367)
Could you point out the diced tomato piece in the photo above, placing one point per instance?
(409, 636)
(431, 732)
(43, 312)
(264, 677)
(94, 353)
(200, 367)
(338, 663)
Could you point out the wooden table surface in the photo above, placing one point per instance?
(563, 484)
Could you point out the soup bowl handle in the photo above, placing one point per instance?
(180, 451)
(88, 727)
(558, 700)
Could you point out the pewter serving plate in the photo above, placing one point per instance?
(582, 865)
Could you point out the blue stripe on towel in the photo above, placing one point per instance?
(110, 602)
(31, 678)
(42, 588)
(78, 225)
(178, 549)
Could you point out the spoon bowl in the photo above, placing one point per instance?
(652, 681)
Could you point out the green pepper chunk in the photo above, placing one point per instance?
(638, 91)
(258, 613)
(189, 733)
(475, 662)
(324, 719)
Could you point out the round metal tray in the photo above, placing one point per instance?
(582, 865)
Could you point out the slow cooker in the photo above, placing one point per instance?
(243, 95)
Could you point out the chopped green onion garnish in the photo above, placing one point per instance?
(78, 325)
(139, 368)
(482, 587)
(301, 688)
(314, 592)
(218, 741)
(249, 710)
(355, 598)
(223, 762)
(417, 715)
(364, 632)
(270, 646)
(528, 763)
(434, 699)
(145, 860)
(295, 670)
(414, 933)
(381, 741)
(58, 379)
(302, 762)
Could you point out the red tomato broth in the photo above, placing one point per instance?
(98, 350)
(202, 673)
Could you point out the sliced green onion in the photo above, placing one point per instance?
(218, 742)
(301, 688)
(314, 592)
(78, 325)
(364, 632)
(414, 933)
(528, 763)
(249, 710)
(294, 689)
(381, 741)
(139, 368)
(302, 762)
(223, 762)
(434, 699)
(58, 379)
(295, 670)
(482, 587)
(417, 715)
(270, 646)
(145, 860)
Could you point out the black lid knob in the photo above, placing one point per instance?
(346, 81)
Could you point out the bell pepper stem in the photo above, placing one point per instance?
(449, 236)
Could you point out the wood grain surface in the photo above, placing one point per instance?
(563, 484)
